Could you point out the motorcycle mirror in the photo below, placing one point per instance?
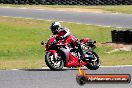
(42, 43)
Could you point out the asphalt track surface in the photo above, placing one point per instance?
(45, 78)
(105, 19)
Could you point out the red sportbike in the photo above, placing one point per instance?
(59, 53)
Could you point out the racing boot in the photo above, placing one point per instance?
(80, 50)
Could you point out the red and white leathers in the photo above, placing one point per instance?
(67, 36)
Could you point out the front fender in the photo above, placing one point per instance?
(63, 52)
(54, 52)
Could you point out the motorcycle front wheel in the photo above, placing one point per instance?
(55, 64)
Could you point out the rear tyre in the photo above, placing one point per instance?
(55, 64)
(94, 63)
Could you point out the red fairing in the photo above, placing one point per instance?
(74, 61)
(51, 40)
(85, 40)
(53, 52)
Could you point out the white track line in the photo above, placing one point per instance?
(14, 69)
(30, 8)
(82, 67)
(118, 66)
(100, 66)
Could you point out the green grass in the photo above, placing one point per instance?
(118, 8)
(20, 42)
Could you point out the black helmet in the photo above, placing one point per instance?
(55, 26)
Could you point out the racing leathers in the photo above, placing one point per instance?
(65, 34)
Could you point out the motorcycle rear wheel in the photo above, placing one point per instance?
(51, 64)
(94, 65)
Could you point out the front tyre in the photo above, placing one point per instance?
(55, 64)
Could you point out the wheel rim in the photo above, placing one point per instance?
(95, 61)
(55, 62)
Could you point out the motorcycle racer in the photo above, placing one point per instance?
(63, 33)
